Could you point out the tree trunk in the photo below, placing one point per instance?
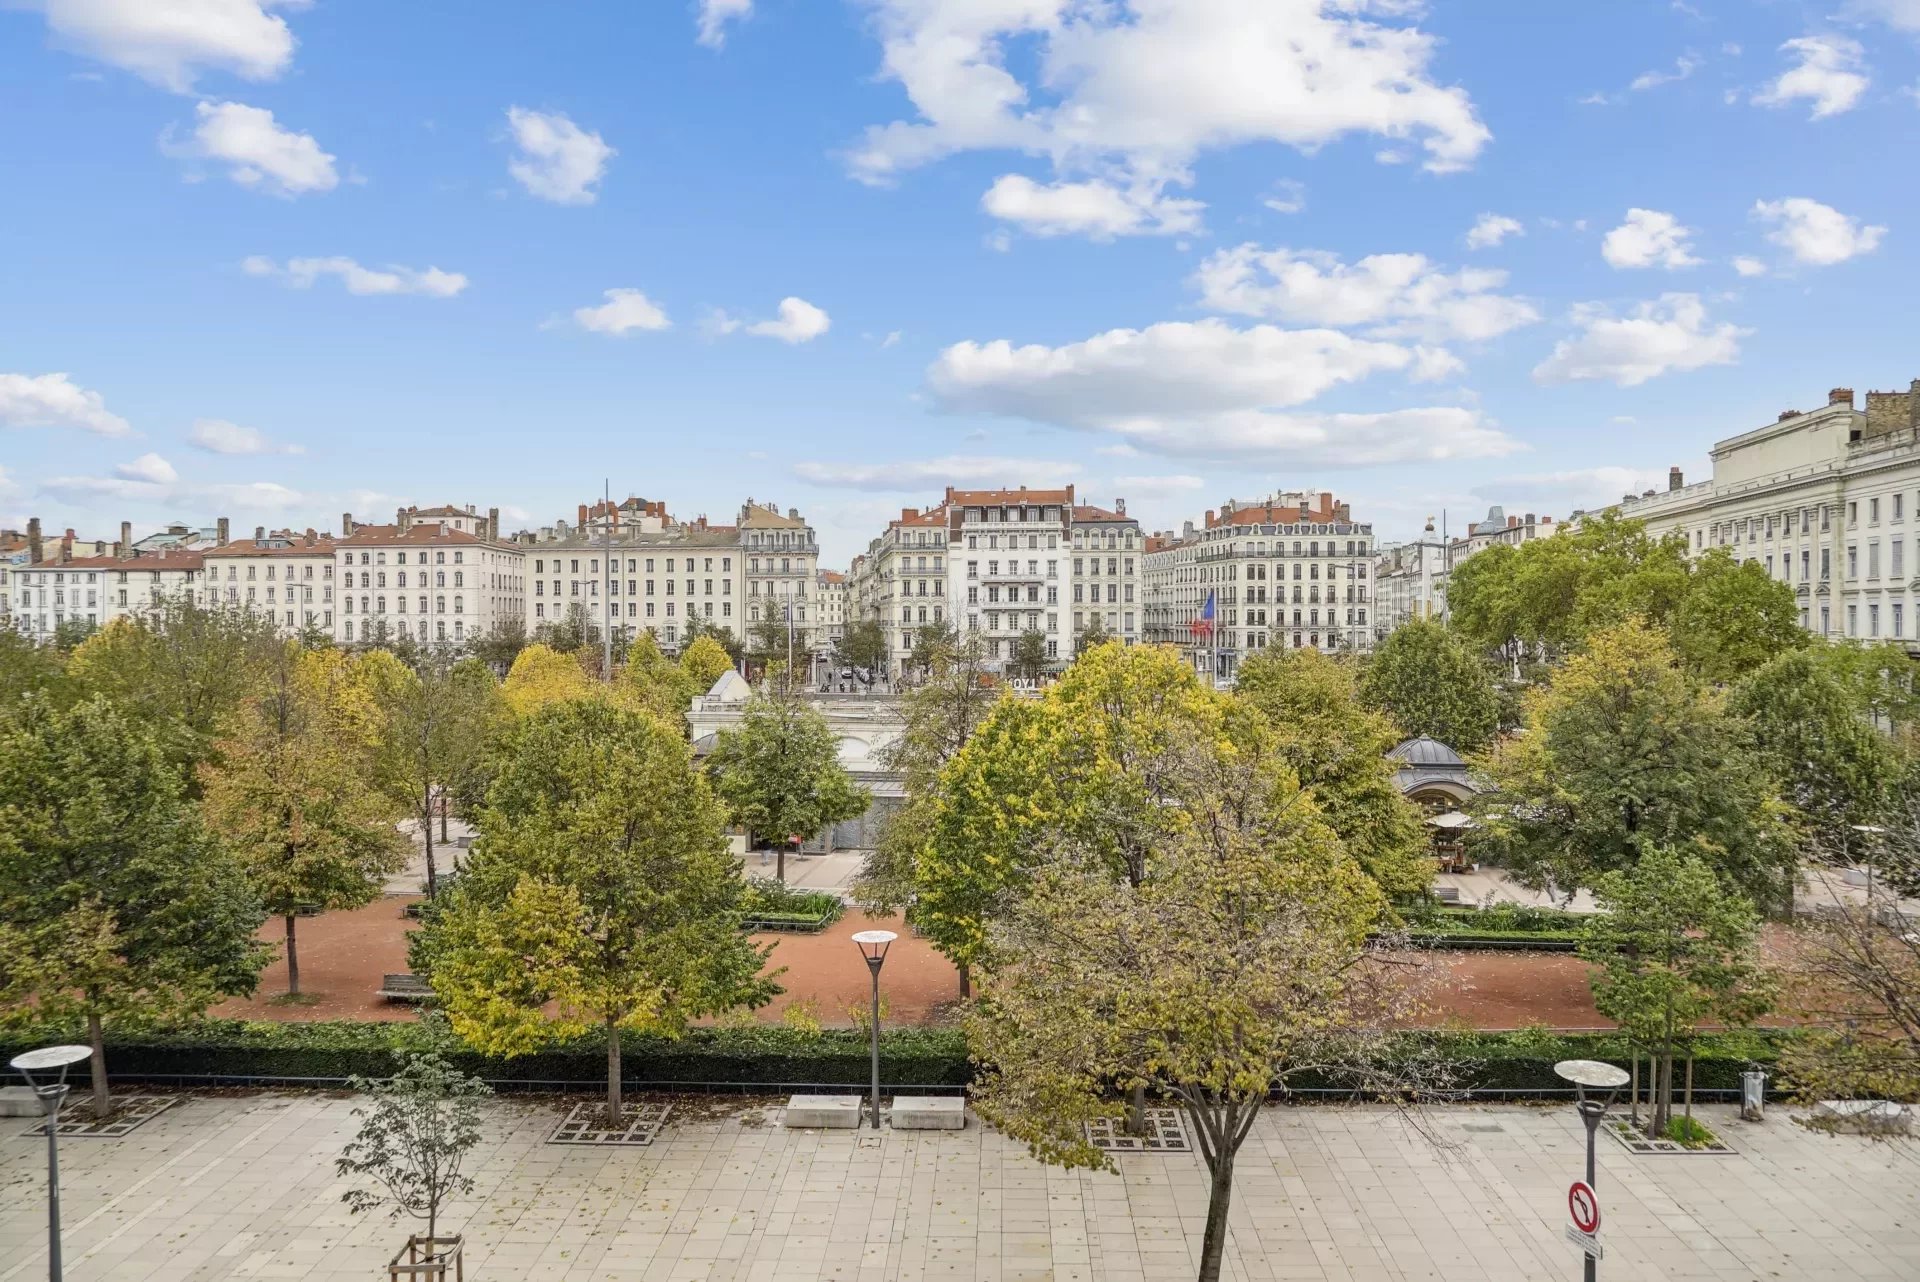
(102, 1100)
(780, 863)
(1137, 1110)
(1213, 1243)
(613, 1076)
(966, 981)
(443, 819)
(1689, 1091)
(293, 960)
(426, 830)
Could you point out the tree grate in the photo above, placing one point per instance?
(130, 1113)
(585, 1124)
(1635, 1140)
(1166, 1133)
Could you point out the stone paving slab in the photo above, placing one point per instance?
(224, 1187)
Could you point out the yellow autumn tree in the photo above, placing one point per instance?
(540, 677)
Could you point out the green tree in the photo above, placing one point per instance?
(703, 661)
(117, 907)
(26, 668)
(1832, 765)
(930, 642)
(1623, 752)
(437, 719)
(296, 795)
(1674, 950)
(1095, 634)
(1238, 963)
(1337, 747)
(1430, 682)
(179, 669)
(652, 681)
(771, 640)
(862, 647)
(1028, 660)
(780, 775)
(1884, 680)
(500, 645)
(1734, 617)
(600, 895)
(720, 633)
(413, 1139)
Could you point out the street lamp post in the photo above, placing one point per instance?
(873, 946)
(52, 1062)
(1874, 832)
(1587, 1074)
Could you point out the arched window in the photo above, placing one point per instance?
(459, 579)
(458, 602)
(379, 602)
(439, 605)
(349, 632)
(440, 629)
(440, 577)
(400, 605)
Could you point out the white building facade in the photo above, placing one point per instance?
(1009, 553)
(438, 575)
(1827, 501)
(286, 577)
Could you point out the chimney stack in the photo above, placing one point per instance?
(1120, 506)
(259, 535)
(400, 521)
(66, 547)
(126, 541)
(346, 524)
(1841, 396)
(1675, 480)
(36, 551)
(493, 524)
(223, 530)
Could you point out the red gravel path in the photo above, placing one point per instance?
(344, 954)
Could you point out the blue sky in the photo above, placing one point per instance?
(275, 260)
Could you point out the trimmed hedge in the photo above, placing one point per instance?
(772, 1055)
(772, 906)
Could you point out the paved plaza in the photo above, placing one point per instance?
(243, 1187)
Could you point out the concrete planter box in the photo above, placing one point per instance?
(825, 1112)
(928, 1113)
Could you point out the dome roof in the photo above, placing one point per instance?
(1424, 751)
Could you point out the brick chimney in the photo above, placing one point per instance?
(223, 530)
(125, 549)
(1675, 480)
(402, 520)
(583, 516)
(1326, 501)
(493, 524)
(1120, 506)
(1841, 396)
(66, 547)
(36, 551)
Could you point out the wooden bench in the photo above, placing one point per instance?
(405, 988)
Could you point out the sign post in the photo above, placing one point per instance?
(1582, 1201)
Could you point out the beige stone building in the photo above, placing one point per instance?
(1290, 569)
(782, 561)
(659, 579)
(901, 580)
(1109, 592)
(285, 576)
(1826, 500)
(441, 575)
(92, 582)
(1009, 553)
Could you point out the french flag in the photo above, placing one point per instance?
(1203, 626)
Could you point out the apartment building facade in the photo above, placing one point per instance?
(1826, 500)
(1009, 553)
(93, 590)
(1108, 573)
(439, 575)
(659, 580)
(1291, 570)
(782, 561)
(901, 580)
(284, 576)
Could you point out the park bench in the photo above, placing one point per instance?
(405, 988)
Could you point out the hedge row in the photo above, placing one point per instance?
(772, 1055)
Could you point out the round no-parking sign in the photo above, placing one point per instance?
(1585, 1206)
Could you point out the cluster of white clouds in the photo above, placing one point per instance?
(1649, 238)
(1653, 338)
(715, 15)
(255, 149)
(1816, 234)
(795, 321)
(1122, 99)
(628, 311)
(55, 400)
(920, 474)
(218, 436)
(170, 44)
(1828, 72)
(301, 273)
(1491, 230)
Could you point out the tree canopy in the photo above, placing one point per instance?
(1623, 752)
(779, 772)
(543, 676)
(117, 907)
(1430, 682)
(600, 893)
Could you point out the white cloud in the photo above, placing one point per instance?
(148, 467)
(1394, 295)
(716, 14)
(799, 322)
(218, 436)
(1491, 229)
(920, 474)
(1097, 209)
(1683, 66)
(1901, 14)
(169, 42)
(1829, 74)
(1668, 334)
(891, 340)
(257, 152)
(1147, 86)
(1206, 389)
(1749, 266)
(301, 273)
(557, 160)
(1289, 197)
(54, 400)
(1562, 492)
(1814, 233)
(624, 311)
(1649, 238)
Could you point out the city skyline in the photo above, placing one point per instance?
(306, 259)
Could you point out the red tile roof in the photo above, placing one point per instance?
(146, 562)
(431, 532)
(994, 498)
